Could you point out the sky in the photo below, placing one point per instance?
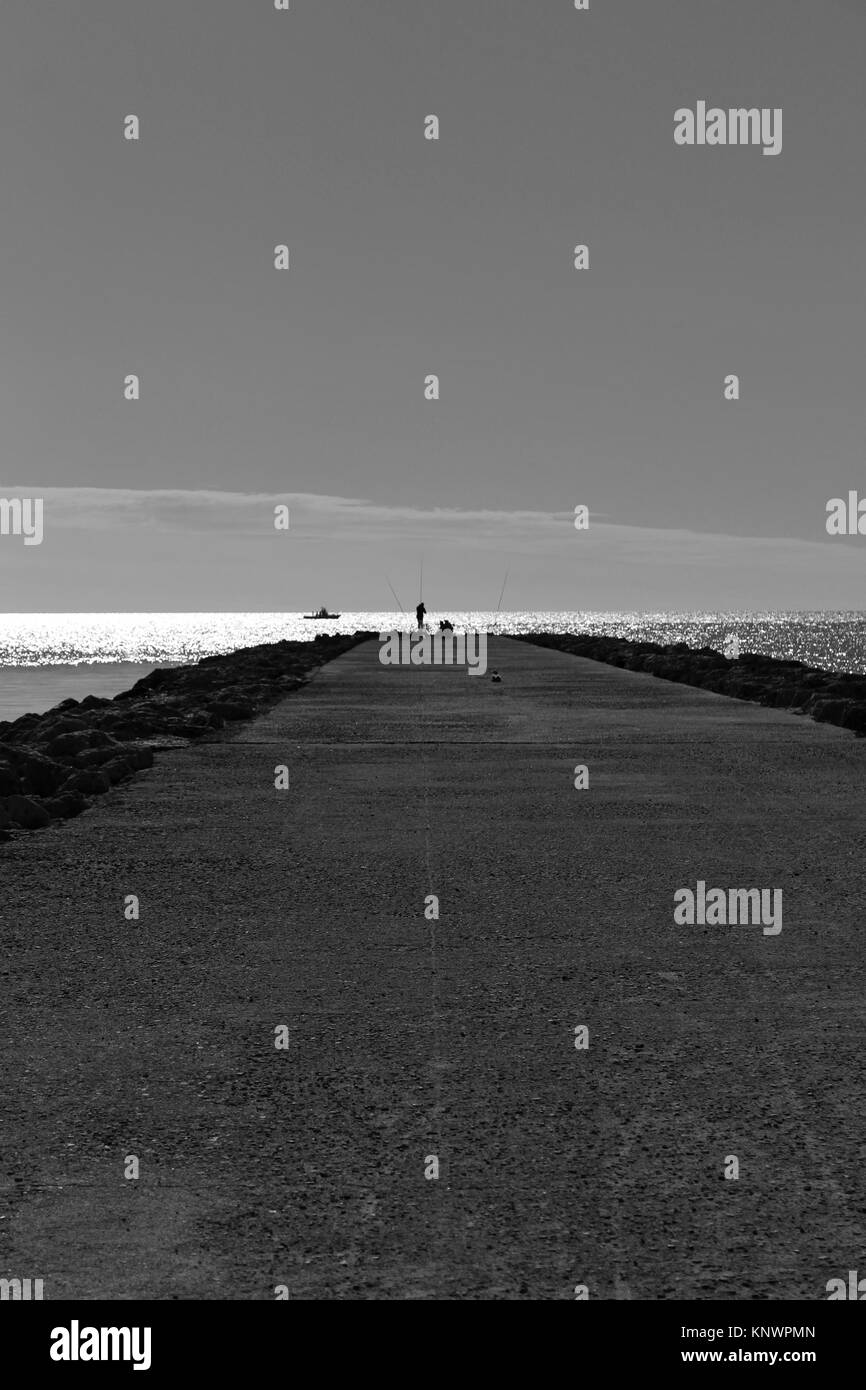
(601, 387)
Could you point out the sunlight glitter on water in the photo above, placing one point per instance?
(835, 641)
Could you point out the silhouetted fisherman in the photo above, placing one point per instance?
(420, 612)
(446, 625)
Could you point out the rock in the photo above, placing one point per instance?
(20, 727)
(53, 728)
(117, 770)
(10, 783)
(855, 718)
(95, 757)
(231, 709)
(98, 757)
(36, 774)
(176, 728)
(157, 680)
(25, 812)
(66, 805)
(779, 697)
(67, 745)
(830, 711)
(194, 730)
(88, 781)
(742, 689)
(845, 687)
(124, 727)
(139, 758)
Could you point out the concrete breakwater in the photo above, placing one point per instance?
(52, 764)
(297, 916)
(828, 696)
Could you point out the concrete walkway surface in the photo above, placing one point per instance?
(412, 1039)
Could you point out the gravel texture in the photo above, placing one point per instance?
(409, 1038)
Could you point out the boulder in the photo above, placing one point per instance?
(88, 781)
(10, 783)
(830, 711)
(66, 805)
(742, 689)
(98, 757)
(20, 728)
(139, 758)
(779, 696)
(123, 727)
(855, 717)
(116, 770)
(231, 709)
(25, 812)
(53, 728)
(95, 757)
(67, 745)
(194, 729)
(37, 774)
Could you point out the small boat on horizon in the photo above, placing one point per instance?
(321, 613)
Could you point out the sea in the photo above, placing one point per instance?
(49, 657)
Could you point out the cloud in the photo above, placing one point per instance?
(313, 515)
(210, 550)
(319, 517)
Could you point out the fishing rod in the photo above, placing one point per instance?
(502, 591)
(399, 604)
